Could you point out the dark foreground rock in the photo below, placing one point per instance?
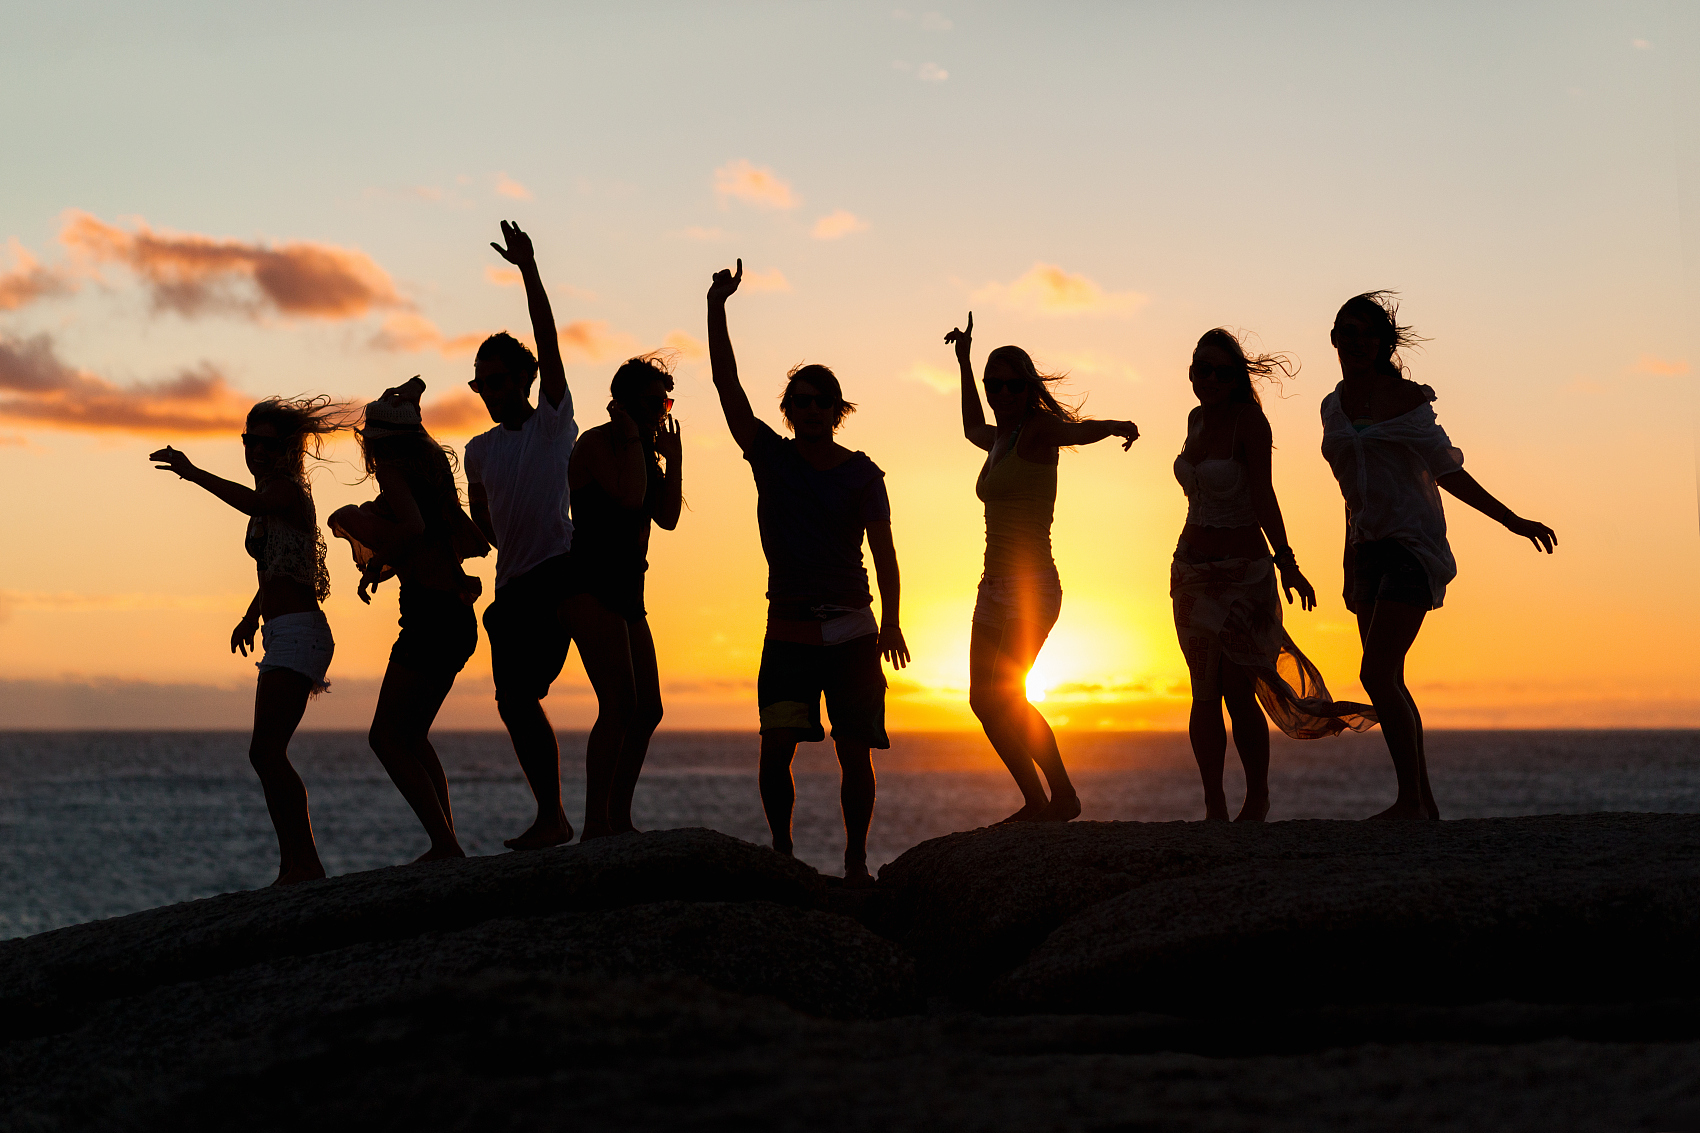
(1505, 975)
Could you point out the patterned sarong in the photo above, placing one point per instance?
(1230, 610)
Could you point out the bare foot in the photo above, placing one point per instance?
(1254, 810)
(1032, 812)
(593, 832)
(1062, 808)
(1400, 812)
(446, 853)
(541, 836)
(298, 875)
(857, 876)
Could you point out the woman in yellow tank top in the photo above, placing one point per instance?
(1020, 593)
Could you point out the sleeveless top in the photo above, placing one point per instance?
(1020, 498)
(282, 550)
(609, 539)
(1218, 493)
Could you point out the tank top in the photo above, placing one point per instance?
(1218, 493)
(608, 538)
(1020, 498)
(282, 550)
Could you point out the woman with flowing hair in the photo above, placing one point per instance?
(1390, 457)
(1020, 592)
(622, 475)
(417, 531)
(289, 556)
(1227, 613)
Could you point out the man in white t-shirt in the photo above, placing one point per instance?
(516, 481)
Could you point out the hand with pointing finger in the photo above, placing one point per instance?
(964, 339)
(725, 283)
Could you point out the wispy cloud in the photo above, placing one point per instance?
(592, 339)
(931, 73)
(191, 274)
(503, 277)
(937, 378)
(770, 280)
(1660, 367)
(38, 388)
(689, 348)
(70, 601)
(408, 333)
(26, 281)
(506, 186)
(1047, 289)
(837, 224)
(753, 185)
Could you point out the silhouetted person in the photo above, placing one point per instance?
(1227, 613)
(1020, 593)
(289, 555)
(416, 531)
(619, 486)
(816, 499)
(516, 483)
(1388, 453)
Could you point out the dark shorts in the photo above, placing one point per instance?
(528, 643)
(1386, 571)
(794, 676)
(438, 632)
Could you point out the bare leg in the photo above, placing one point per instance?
(1204, 728)
(604, 645)
(1019, 648)
(279, 701)
(990, 695)
(1251, 740)
(778, 791)
(1388, 629)
(408, 702)
(647, 679)
(540, 758)
(856, 795)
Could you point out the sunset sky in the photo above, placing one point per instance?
(204, 204)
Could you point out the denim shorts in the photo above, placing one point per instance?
(1032, 598)
(1384, 570)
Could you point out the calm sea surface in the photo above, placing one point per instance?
(96, 824)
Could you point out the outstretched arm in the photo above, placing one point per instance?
(1254, 428)
(1463, 486)
(1055, 431)
(278, 496)
(551, 373)
(974, 425)
(892, 645)
(734, 402)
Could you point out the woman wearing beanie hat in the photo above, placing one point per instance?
(417, 531)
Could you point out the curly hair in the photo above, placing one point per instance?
(1248, 369)
(1021, 362)
(303, 423)
(1380, 309)
(822, 379)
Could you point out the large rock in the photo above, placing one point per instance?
(45, 979)
(1180, 917)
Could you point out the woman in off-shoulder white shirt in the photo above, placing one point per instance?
(1391, 458)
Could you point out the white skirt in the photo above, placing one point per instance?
(300, 643)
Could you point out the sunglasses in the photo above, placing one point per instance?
(998, 385)
(805, 400)
(1219, 373)
(251, 440)
(666, 403)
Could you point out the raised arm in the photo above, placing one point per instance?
(671, 447)
(1255, 432)
(551, 373)
(1055, 431)
(278, 497)
(974, 425)
(1463, 486)
(892, 646)
(724, 365)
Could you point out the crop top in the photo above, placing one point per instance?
(1218, 492)
(282, 550)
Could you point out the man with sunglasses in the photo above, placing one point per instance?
(816, 501)
(516, 483)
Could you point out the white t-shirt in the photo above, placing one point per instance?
(524, 473)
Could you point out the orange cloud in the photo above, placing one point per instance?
(938, 378)
(593, 340)
(836, 224)
(29, 281)
(503, 277)
(1652, 364)
(689, 348)
(752, 185)
(508, 187)
(46, 392)
(458, 414)
(770, 280)
(190, 274)
(1047, 289)
(409, 332)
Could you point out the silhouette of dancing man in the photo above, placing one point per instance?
(1020, 595)
(516, 482)
(1227, 612)
(1389, 455)
(289, 556)
(816, 500)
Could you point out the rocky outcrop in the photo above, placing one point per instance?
(1505, 974)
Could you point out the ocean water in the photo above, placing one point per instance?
(97, 824)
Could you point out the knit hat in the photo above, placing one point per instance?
(391, 418)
